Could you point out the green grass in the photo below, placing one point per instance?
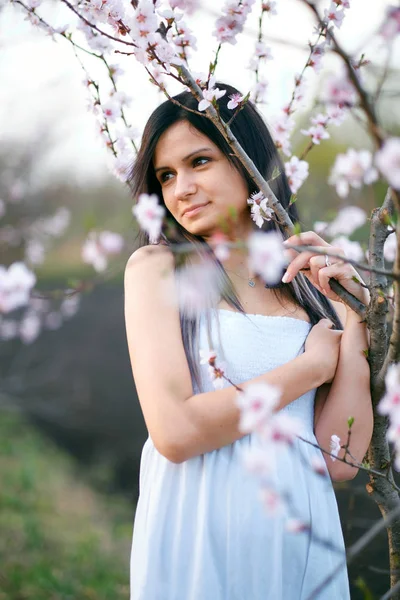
(59, 539)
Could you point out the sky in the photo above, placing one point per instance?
(43, 103)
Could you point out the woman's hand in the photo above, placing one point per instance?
(317, 270)
(322, 346)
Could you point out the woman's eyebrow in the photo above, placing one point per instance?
(185, 158)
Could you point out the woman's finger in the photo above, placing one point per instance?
(306, 238)
(301, 261)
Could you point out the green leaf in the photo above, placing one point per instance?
(89, 221)
(275, 173)
(232, 210)
(296, 228)
(362, 586)
(293, 199)
(366, 353)
(350, 422)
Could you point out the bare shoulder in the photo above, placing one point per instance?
(149, 257)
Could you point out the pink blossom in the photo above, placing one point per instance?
(296, 172)
(263, 51)
(112, 243)
(335, 114)
(391, 25)
(259, 460)
(339, 91)
(390, 402)
(92, 253)
(320, 226)
(99, 246)
(256, 404)
(197, 288)
(34, 252)
(187, 6)
(8, 329)
(352, 249)
(348, 219)
(390, 248)
(120, 165)
(281, 428)
(334, 446)
(269, 6)
(333, 15)
(53, 320)
(149, 214)
(230, 24)
(272, 501)
(316, 56)
(281, 128)
(210, 94)
(296, 526)
(29, 328)
(69, 306)
(33, 3)
(16, 284)
(145, 22)
(216, 370)
(260, 90)
(111, 110)
(319, 465)
(260, 211)
(219, 243)
(266, 256)
(387, 159)
(343, 3)
(207, 357)
(317, 133)
(352, 169)
(234, 101)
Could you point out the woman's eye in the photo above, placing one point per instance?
(165, 176)
(200, 160)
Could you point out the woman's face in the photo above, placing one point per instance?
(193, 172)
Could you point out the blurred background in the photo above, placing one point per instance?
(71, 429)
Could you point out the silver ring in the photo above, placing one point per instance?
(327, 261)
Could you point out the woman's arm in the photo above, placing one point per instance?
(348, 396)
(181, 424)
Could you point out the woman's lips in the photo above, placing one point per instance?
(194, 211)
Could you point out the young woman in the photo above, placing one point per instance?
(201, 530)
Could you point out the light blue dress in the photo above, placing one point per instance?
(201, 531)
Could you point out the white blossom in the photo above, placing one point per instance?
(210, 94)
(352, 169)
(266, 256)
(149, 214)
(256, 404)
(391, 24)
(387, 159)
(348, 219)
(352, 249)
(296, 172)
(29, 328)
(16, 283)
(334, 446)
(390, 247)
(197, 288)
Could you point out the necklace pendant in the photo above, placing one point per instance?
(251, 283)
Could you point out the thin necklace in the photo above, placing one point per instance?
(250, 280)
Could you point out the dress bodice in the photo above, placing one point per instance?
(251, 345)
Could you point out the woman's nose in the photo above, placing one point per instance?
(185, 185)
